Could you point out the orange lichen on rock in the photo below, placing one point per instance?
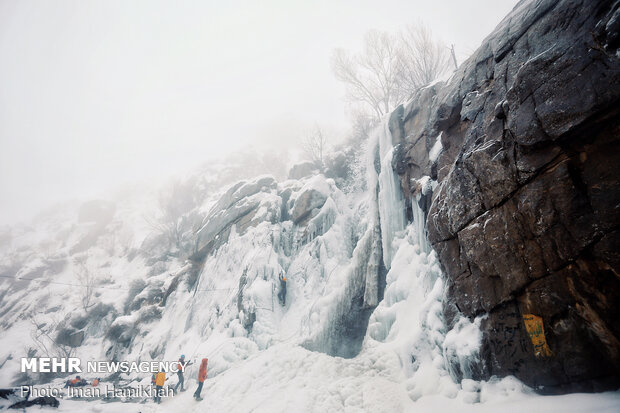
(536, 331)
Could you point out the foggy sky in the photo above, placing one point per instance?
(95, 94)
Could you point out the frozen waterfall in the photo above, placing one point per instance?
(363, 284)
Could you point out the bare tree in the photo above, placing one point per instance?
(390, 68)
(422, 58)
(42, 337)
(362, 124)
(314, 145)
(86, 280)
(174, 220)
(372, 75)
(173, 205)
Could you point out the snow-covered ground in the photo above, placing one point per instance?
(140, 285)
(289, 378)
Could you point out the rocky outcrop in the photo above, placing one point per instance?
(238, 206)
(308, 201)
(524, 142)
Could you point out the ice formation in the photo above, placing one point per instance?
(390, 197)
(362, 328)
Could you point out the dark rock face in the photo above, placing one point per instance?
(526, 218)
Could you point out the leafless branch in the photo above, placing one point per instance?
(86, 280)
(391, 67)
(44, 341)
(314, 145)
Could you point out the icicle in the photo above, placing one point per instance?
(391, 203)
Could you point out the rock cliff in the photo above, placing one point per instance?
(523, 141)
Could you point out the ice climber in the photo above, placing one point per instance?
(202, 375)
(282, 293)
(160, 380)
(182, 365)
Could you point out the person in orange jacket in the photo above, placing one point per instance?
(160, 380)
(74, 382)
(202, 375)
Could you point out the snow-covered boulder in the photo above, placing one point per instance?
(245, 204)
(309, 199)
